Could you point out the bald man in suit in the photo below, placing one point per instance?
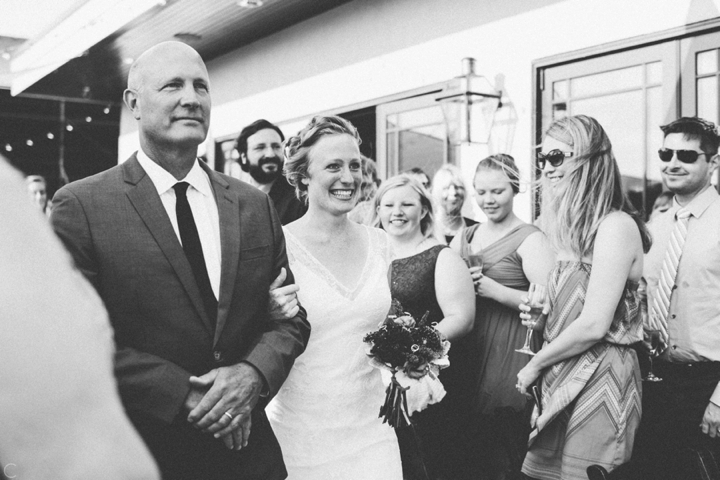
(183, 258)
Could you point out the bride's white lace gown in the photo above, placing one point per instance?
(326, 413)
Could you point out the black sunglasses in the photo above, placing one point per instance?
(685, 156)
(556, 158)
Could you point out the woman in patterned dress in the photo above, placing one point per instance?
(589, 374)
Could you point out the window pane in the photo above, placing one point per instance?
(392, 122)
(420, 117)
(434, 131)
(420, 149)
(607, 82)
(621, 115)
(391, 155)
(559, 110)
(707, 62)
(653, 73)
(707, 98)
(560, 90)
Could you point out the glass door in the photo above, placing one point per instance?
(411, 133)
(631, 94)
(701, 79)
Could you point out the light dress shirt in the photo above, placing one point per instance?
(202, 203)
(694, 315)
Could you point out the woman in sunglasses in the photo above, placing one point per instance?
(587, 371)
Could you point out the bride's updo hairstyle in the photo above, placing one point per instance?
(574, 209)
(298, 147)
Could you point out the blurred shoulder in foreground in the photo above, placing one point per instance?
(60, 414)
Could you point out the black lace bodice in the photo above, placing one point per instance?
(412, 283)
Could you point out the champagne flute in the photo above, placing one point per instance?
(536, 301)
(475, 260)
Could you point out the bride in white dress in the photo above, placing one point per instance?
(325, 415)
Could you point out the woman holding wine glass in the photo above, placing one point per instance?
(427, 276)
(587, 370)
(511, 254)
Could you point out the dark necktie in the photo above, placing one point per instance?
(193, 249)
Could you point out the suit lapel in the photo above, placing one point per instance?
(229, 215)
(146, 201)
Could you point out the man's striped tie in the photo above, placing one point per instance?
(659, 310)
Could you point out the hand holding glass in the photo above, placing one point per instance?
(654, 337)
(536, 302)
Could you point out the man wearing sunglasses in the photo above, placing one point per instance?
(682, 270)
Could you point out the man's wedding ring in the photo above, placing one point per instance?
(229, 415)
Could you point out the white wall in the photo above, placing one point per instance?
(372, 48)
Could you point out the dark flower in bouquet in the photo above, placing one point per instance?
(412, 350)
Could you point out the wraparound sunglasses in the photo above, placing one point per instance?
(685, 156)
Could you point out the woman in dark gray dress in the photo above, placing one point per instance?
(426, 276)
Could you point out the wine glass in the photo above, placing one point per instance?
(474, 260)
(654, 336)
(536, 301)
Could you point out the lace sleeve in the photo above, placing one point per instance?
(382, 243)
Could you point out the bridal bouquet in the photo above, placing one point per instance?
(413, 352)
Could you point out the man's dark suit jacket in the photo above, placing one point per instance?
(117, 230)
(286, 203)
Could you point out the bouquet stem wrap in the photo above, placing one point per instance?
(395, 409)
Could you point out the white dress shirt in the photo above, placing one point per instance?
(694, 316)
(202, 203)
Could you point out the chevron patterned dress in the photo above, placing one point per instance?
(591, 402)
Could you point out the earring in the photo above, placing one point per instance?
(305, 180)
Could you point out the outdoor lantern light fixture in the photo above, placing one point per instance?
(469, 103)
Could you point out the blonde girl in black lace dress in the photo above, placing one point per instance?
(427, 276)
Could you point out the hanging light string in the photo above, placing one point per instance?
(30, 142)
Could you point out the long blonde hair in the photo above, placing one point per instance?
(574, 209)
